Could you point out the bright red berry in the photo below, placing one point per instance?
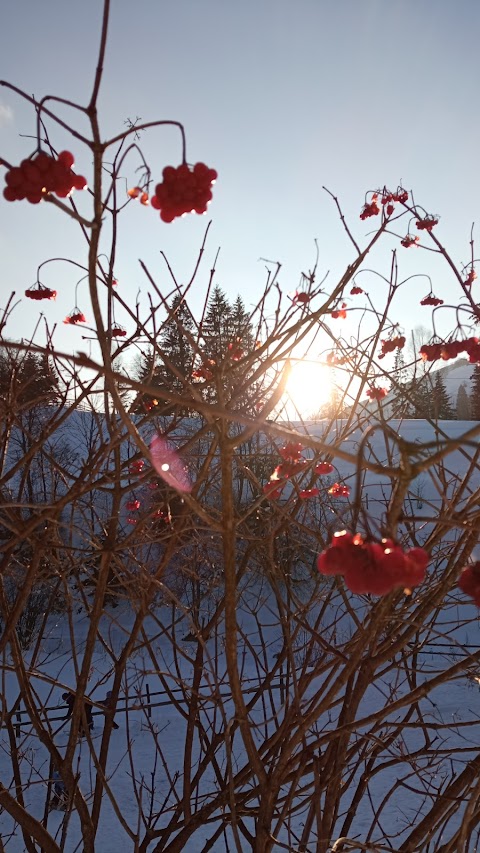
(42, 174)
(305, 494)
(133, 505)
(377, 393)
(324, 468)
(338, 490)
(292, 451)
(66, 158)
(183, 190)
(373, 567)
(469, 581)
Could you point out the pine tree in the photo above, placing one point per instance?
(176, 356)
(240, 325)
(169, 365)
(226, 326)
(27, 379)
(402, 389)
(463, 407)
(475, 395)
(399, 369)
(217, 325)
(441, 404)
(420, 397)
(227, 338)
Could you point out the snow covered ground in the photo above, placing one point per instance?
(146, 758)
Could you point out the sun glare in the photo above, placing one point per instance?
(309, 387)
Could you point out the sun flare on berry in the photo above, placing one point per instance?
(309, 388)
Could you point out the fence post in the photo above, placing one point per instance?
(149, 710)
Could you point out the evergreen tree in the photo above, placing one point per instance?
(420, 404)
(168, 366)
(475, 395)
(226, 327)
(217, 325)
(241, 327)
(403, 406)
(176, 356)
(463, 407)
(399, 369)
(27, 379)
(441, 404)
(227, 337)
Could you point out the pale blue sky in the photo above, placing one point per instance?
(280, 96)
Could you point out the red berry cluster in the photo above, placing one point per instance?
(338, 490)
(301, 297)
(470, 278)
(305, 494)
(370, 209)
(469, 581)
(148, 405)
(183, 190)
(235, 350)
(294, 463)
(273, 490)
(39, 291)
(392, 344)
(136, 467)
(118, 332)
(377, 393)
(387, 199)
(355, 290)
(204, 372)
(339, 313)
(288, 469)
(409, 240)
(292, 452)
(137, 192)
(324, 468)
(42, 174)
(75, 317)
(446, 351)
(372, 567)
(400, 196)
(164, 514)
(132, 506)
(431, 300)
(427, 224)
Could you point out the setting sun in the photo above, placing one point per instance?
(309, 387)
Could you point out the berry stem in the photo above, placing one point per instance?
(138, 127)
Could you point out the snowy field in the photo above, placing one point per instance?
(146, 757)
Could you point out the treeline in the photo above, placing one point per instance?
(427, 397)
(203, 353)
